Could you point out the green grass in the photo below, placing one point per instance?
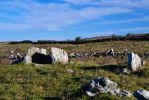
(28, 82)
(53, 82)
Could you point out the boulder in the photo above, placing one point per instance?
(72, 55)
(141, 94)
(134, 62)
(59, 55)
(110, 52)
(31, 52)
(103, 85)
(124, 93)
(17, 59)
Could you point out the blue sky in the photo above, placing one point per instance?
(67, 19)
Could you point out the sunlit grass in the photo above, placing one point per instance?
(54, 82)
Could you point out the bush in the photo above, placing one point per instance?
(130, 35)
(117, 37)
(78, 39)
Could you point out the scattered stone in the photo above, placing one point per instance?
(93, 54)
(103, 85)
(141, 94)
(124, 93)
(36, 65)
(110, 52)
(78, 55)
(11, 52)
(71, 62)
(70, 71)
(134, 62)
(17, 59)
(125, 71)
(86, 54)
(125, 53)
(59, 55)
(72, 55)
(11, 57)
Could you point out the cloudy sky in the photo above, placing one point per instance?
(67, 19)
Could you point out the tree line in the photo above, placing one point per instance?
(79, 40)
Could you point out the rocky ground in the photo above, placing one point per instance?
(64, 81)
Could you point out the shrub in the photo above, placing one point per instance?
(78, 39)
(117, 37)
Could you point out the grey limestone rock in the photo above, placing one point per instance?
(134, 62)
(59, 55)
(103, 85)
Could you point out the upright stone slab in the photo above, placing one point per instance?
(59, 55)
(134, 62)
(31, 52)
(43, 51)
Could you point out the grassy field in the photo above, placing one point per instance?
(54, 82)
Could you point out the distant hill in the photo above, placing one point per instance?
(127, 36)
(132, 37)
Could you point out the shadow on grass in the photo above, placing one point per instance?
(117, 69)
(142, 73)
(51, 98)
(73, 95)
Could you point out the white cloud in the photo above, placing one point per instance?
(143, 19)
(111, 3)
(79, 2)
(110, 32)
(125, 3)
(105, 33)
(134, 29)
(31, 15)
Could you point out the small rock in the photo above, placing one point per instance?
(124, 93)
(86, 54)
(70, 71)
(141, 94)
(110, 52)
(72, 55)
(78, 55)
(71, 62)
(11, 51)
(125, 71)
(37, 65)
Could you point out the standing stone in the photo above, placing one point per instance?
(59, 55)
(31, 52)
(43, 51)
(134, 62)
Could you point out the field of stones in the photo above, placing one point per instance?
(112, 70)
